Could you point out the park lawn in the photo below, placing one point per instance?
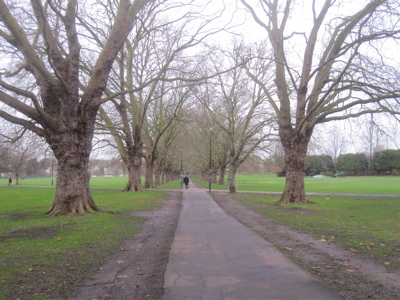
(43, 257)
(265, 183)
(109, 182)
(366, 225)
(351, 184)
(95, 182)
(176, 184)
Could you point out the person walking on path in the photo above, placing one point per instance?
(186, 181)
(214, 256)
(10, 181)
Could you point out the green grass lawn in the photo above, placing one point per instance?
(104, 182)
(369, 226)
(265, 183)
(176, 184)
(352, 185)
(110, 182)
(43, 256)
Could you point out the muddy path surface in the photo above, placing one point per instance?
(136, 269)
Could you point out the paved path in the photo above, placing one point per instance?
(214, 257)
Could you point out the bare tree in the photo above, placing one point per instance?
(20, 152)
(372, 134)
(237, 106)
(333, 69)
(18, 149)
(152, 67)
(45, 85)
(168, 145)
(332, 141)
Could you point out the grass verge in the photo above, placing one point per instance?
(346, 185)
(44, 257)
(368, 226)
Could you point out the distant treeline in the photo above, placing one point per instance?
(385, 162)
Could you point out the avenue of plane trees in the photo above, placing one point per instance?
(152, 77)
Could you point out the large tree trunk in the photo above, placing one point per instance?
(222, 176)
(162, 179)
(294, 187)
(133, 163)
(73, 196)
(72, 193)
(157, 175)
(233, 166)
(295, 148)
(149, 179)
(134, 183)
(168, 175)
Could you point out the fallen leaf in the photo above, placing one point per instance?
(387, 263)
(122, 249)
(122, 276)
(287, 248)
(119, 262)
(350, 270)
(30, 269)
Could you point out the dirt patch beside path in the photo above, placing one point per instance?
(353, 276)
(136, 271)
